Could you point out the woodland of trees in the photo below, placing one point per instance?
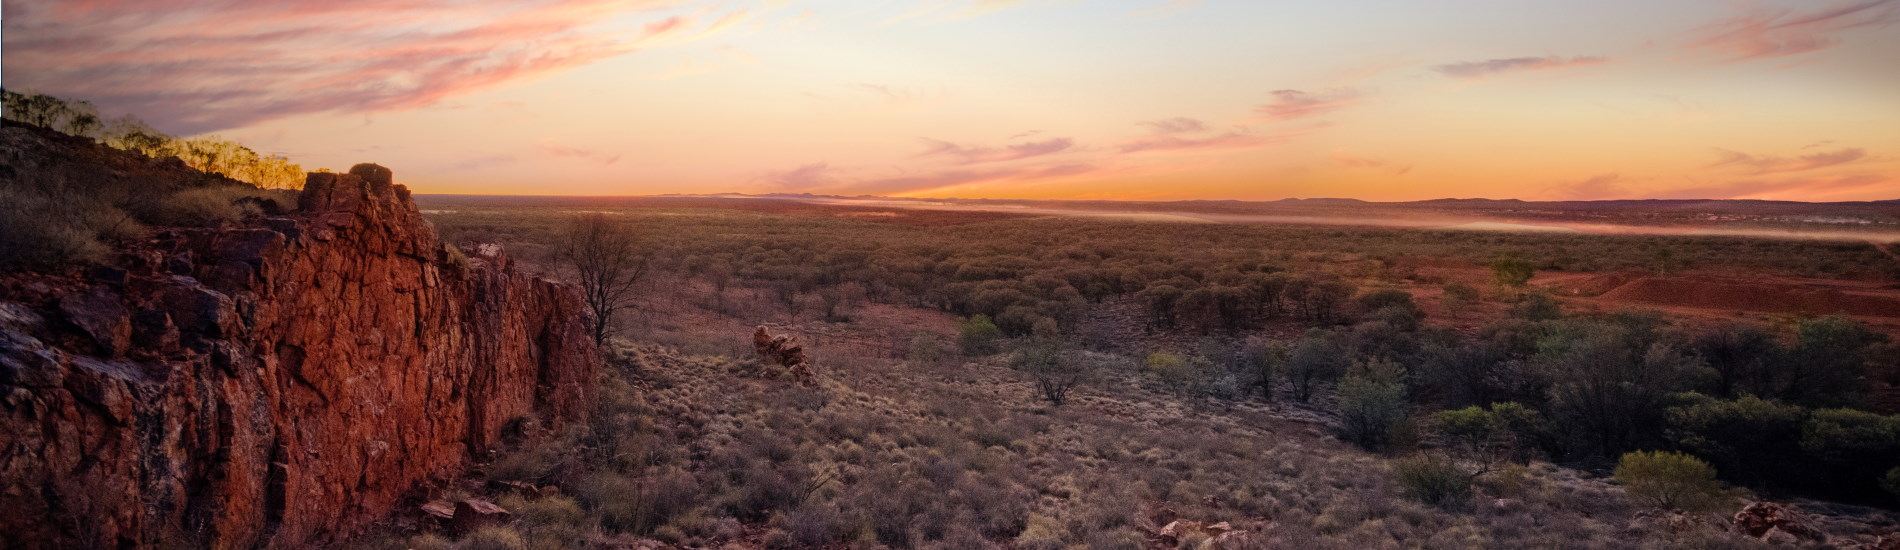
(210, 153)
(70, 213)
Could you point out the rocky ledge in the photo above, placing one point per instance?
(275, 385)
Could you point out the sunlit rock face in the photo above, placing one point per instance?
(275, 385)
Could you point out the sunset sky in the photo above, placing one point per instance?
(1100, 99)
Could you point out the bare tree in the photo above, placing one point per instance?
(1056, 370)
(606, 257)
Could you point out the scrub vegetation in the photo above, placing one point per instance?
(1066, 383)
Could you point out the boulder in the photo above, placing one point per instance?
(1768, 519)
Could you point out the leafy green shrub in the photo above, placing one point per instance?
(977, 335)
(1828, 363)
(1512, 272)
(1432, 479)
(1670, 480)
(1851, 449)
(1394, 306)
(1471, 431)
(1538, 307)
(925, 348)
(1891, 481)
(1748, 439)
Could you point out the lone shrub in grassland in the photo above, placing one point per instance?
(1670, 480)
(978, 335)
(925, 349)
(494, 537)
(1432, 479)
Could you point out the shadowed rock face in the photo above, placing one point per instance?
(273, 386)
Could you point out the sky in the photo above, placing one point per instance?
(1083, 99)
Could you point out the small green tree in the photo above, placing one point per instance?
(1316, 359)
(1372, 405)
(1670, 480)
(977, 335)
(1891, 481)
(1264, 359)
(1512, 273)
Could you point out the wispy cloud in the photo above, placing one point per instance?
(1598, 187)
(1182, 134)
(1481, 69)
(566, 152)
(1800, 188)
(1769, 34)
(236, 63)
(1349, 160)
(816, 175)
(938, 179)
(965, 154)
(1229, 140)
(1296, 104)
(1758, 164)
(1176, 125)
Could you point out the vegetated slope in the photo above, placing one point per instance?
(65, 198)
(701, 452)
(275, 383)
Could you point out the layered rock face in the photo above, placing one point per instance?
(275, 386)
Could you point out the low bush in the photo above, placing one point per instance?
(1432, 479)
(1670, 480)
(493, 537)
(978, 335)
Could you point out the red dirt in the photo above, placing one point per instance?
(1765, 295)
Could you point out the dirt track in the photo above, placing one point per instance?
(1884, 249)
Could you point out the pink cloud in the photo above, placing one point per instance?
(803, 178)
(1349, 160)
(974, 155)
(1598, 187)
(1176, 125)
(563, 151)
(1781, 33)
(1481, 69)
(926, 181)
(1229, 140)
(1295, 104)
(1818, 188)
(1772, 165)
(196, 66)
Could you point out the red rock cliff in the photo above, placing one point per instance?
(272, 386)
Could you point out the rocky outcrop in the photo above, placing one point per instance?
(782, 351)
(274, 385)
(1776, 523)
